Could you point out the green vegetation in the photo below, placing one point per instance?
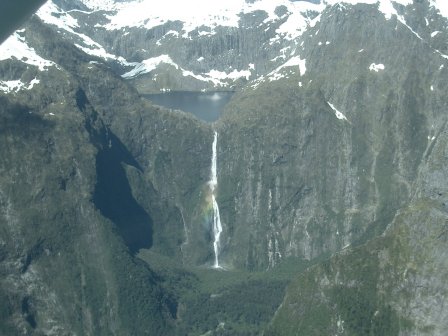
(91, 174)
(366, 290)
(222, 302)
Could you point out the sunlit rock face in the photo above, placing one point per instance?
(396, 281)
(333, 146)
(179, 46)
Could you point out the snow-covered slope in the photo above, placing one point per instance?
(342, 104)
(208, 45)
(205, 14)
(16, 48)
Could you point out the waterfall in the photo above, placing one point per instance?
(217, 227)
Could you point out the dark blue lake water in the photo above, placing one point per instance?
(206, 106)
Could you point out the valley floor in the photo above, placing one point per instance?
(211, 301)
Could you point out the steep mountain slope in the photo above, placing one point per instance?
(77, 198)
(333, 147)
(393, 285)
(183, 46)
(324, 158)
(201, 46)
(61, 260)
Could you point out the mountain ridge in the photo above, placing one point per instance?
(330, 164)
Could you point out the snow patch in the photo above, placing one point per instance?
(16, 47)
(100, 4)
(435, 33)
(441, 5)
(388, 9)
(172, 33)
(218, 78)
(298, 21)
(385, 6)
(33, 82)
(149, 65)
(11, 86)
(298, 61)
(17, 85)
(279, 72)
(376, 67)
(294, 61)
(53, 15)
(337, 113)
(314, 21)
(235, 74)
(205, 13)
(98, 51)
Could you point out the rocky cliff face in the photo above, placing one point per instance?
(90, 175)
(333, 147)
(394, 284)
(220, 47)
(60, 258)
(330, 155)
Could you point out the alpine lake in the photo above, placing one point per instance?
(206, 106)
